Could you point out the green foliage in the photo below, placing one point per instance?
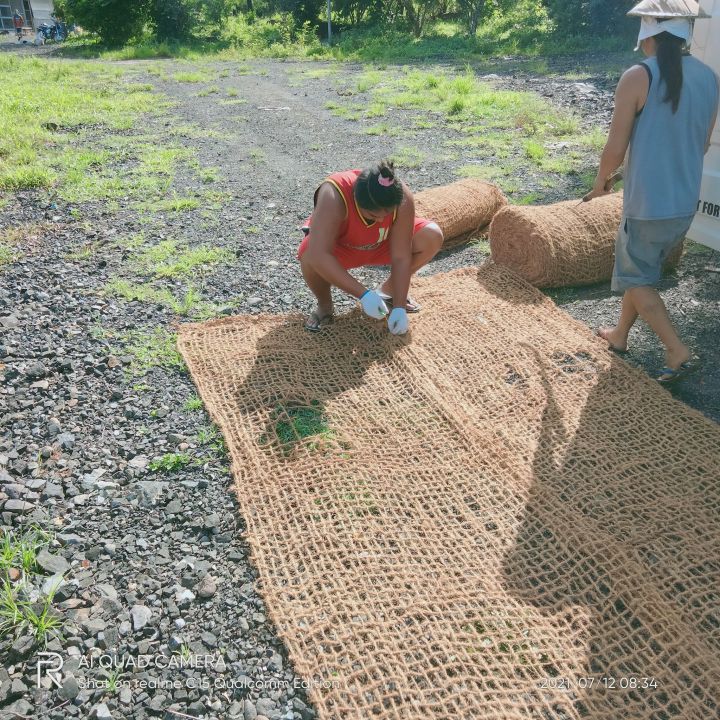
(170, 462)
(193, 403)
(39, 132)
(592, 18)
(115, 21)
(150, 349)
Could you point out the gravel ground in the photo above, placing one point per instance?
(153, 559)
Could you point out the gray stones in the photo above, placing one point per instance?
(70, 688)
(18, 506)
(141, 616)
(93, 626)
(207, 587)
(150, 491)
(267, 707)
(101, 712)
(54, 564)
(36, 371)
(183, 596)
(66, 440)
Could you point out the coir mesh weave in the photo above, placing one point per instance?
(493, 518)
(461, 209)
(567, 243)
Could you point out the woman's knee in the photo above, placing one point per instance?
(429, 238)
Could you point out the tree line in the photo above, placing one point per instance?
(118, 21)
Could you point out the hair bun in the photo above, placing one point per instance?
(386, 168)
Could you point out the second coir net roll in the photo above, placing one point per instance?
(562, 244)
(460, 208)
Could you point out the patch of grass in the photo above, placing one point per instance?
(212, 90)
(382, 129)
(208, 175)
(7, 255)
(481, 244)
(169, 259)
(190, 77)
(151, 349)
(595, 139)
(25, 178)
(193, 403)
(232, 93)
(177, 204)
(191, 302)
(291, 424)
(170, 462)
(369, 80)
(38, 129)
(466, 99)
(18, 552)
(19, 549)
(534, 150)
(528, 199)
(408, 157)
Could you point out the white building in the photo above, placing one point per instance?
(35, 12)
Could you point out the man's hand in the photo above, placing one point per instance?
(605, 187)
(373, 305)
(398, 323)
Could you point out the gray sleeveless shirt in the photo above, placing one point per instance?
(663, 168)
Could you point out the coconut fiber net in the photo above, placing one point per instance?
(562, 244)
(494, 518)
(461, 209)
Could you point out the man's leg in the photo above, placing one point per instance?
(426, 243)
(652, 310)
(617, 336)
(321, 290)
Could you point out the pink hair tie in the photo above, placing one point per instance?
(386, 182)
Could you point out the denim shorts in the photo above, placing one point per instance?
(641, 248)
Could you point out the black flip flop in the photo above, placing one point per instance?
(675, 374)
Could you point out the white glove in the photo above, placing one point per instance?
(398, 323)
(373, 305)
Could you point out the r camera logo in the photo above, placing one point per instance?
(50, 664)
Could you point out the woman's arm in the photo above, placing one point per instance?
(327, 217)
(714, 120)
(630, 96)
(401, 248)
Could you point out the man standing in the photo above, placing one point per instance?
(19, 23)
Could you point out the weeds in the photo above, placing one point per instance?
(151, 349)
(408, 157)
(169, 259)
(193, 403)
(18, 553)
(36, 129)
(170, 462)
(189, 77)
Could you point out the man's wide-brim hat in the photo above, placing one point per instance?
(669, 9)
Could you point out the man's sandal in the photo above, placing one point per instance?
(315, 323)
(411, 307)
(670, 375)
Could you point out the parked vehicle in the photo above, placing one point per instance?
(53, 33)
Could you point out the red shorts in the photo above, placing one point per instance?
(354, 258)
